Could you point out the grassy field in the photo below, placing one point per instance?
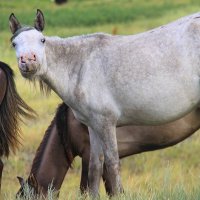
(168, 174)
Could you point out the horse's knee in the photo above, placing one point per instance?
(112, 167)
(96, 165)
(112, 161)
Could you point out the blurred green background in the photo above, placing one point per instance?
(173, 173)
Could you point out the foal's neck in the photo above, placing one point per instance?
(50, 164)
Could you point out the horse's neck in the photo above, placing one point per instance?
(65, 62)
(52, 164)
(60, 60)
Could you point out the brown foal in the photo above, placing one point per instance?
(67, 138)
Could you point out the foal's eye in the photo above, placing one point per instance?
(13, 44)
(43, 40)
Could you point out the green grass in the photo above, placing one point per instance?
(167, 174)
(91, 13)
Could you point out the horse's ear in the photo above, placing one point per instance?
(14, 23)
(39, 20)
(21, 181)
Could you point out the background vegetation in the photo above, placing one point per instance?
(173, 173)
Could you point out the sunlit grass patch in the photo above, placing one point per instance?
(165, 191)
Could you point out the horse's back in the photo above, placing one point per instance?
(151, 76)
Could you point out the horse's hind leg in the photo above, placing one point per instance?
(84, 173)
(1, 171)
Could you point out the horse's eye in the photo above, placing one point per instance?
(43, 40)
(13, 44)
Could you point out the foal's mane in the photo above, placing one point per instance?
(12, 110)
(62, 126)
(60, 119)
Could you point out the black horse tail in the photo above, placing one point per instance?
(61, 123)
(13, 109)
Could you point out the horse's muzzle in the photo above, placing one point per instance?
(27, 69)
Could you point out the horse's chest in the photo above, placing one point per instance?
(80, 117)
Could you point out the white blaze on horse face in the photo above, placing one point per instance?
(30, 52)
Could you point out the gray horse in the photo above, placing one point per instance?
(146, 79)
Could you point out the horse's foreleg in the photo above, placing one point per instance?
(104, 140)
(1, 171)
(84, 173)
(111, 165)
(95, 164)
(107, 183)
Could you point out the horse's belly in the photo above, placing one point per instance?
(158, 104)
(153, 116)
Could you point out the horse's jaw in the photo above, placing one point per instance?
(26, 72)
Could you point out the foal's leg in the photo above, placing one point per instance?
(104, 147)
(84, 173)
(1, 171)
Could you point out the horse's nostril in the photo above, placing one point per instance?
(22, 59)
(28, 58)
(34, 56)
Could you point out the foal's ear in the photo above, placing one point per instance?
(39, 20)
(21, 181)
(14, 23)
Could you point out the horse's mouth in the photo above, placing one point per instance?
(27, 73)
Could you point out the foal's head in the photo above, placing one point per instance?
(29, 43)
(26, 186)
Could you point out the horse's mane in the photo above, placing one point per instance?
(12, 110)
(60, 120)
(62, 126)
